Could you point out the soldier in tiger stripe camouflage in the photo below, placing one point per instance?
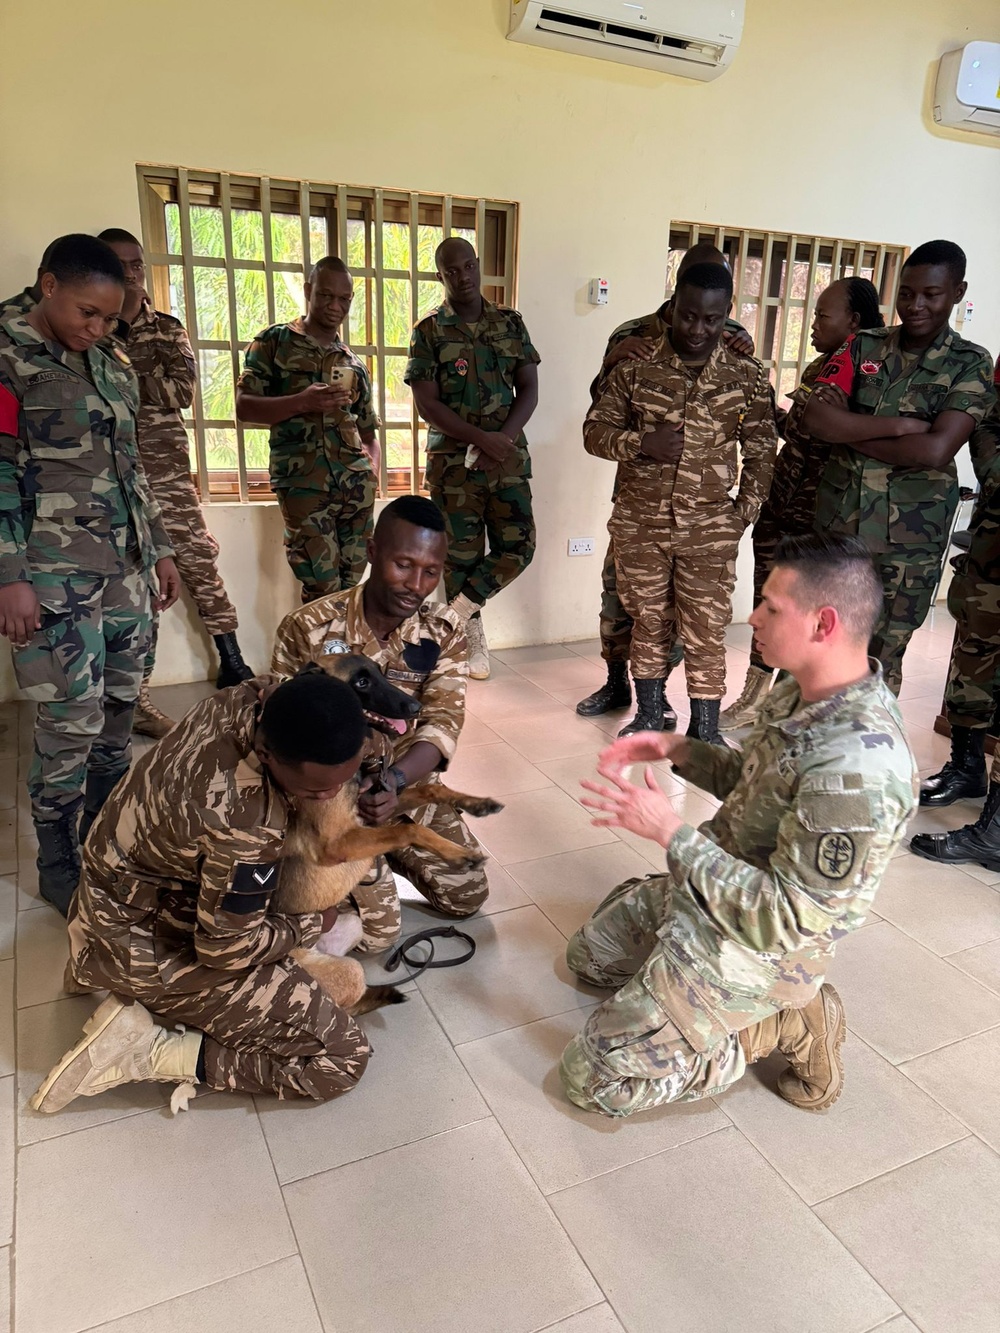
(677, 426)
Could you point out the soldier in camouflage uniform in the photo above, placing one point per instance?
(27, 300)
(176, 910)
(636, 340)
(472, 369)
(81, 545)
(919, 391)
(164, 364)
(721, 959)
(841, 309)
(673, 424)
(420, 646)
(974, 671)
(316, 395)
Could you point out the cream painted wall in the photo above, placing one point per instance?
(821, 126)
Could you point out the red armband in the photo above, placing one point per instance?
(839, 369)
(9, 409)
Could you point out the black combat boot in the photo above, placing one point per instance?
(964, 775)
(99, 788)
(649, 708)
(58, 861)
(704, 724)
(979, 842)
(615, 693)
(233, 669)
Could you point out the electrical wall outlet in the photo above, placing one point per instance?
(581, 546)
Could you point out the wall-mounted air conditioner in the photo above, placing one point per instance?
(967, 93)
(693, 38)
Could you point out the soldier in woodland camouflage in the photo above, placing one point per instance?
(919, 392)
(790, 509)
(176, 912)
(420, 646)
(28, 298)
(81, 545)
(472, 369)
(673, 424)
(303, 382)
(637, 340)
(164, 364)
(720, 960)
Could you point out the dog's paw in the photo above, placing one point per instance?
(344, 935)
(484, 806)
(471, 862)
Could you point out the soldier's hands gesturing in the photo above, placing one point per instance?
(642, 747)
(20, 614)
(170, 583)
(645, 811)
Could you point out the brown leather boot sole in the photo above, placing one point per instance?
(799, 1093)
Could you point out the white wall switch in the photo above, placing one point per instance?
(581, 546)
(597, 293)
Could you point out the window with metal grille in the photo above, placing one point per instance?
(776, 280)
(228, 255)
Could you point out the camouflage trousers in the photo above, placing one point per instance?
(448, 890)
(616, 623)
(630, 1055)
(196, 555)
(795, 521)
(675, 592)
(83, 670)
(974, 601)
(328, 520)
(491, 531)
(271, 1029)
(909, 577)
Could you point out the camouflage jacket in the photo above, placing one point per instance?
(903, 506)
(984, 448)
(283, 360)
(812, 810)
(653, 327)
(801, 459)
(473, 365)
(17, 305)
(73, 494)
(164, 363)
(426, 656)
(729, 402)
(186, 853)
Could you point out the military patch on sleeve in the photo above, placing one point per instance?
(422, 656)
(835, 853)
(250, 888)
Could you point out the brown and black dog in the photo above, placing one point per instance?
(328, 851)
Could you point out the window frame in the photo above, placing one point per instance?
(494, 224)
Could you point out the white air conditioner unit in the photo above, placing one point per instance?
(693, 38)
(967, 93)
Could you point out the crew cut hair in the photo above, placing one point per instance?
(331, 263)
(80, 258)
(120, 235)
(313, 719)
(834, 570)
(943, 253)
(709, 277)
(415, 509)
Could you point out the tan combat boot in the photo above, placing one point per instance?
(479, 653)
(147, 719)
(744, 710)
(122, 1044)
(810, 1039)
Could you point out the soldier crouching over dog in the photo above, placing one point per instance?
(720, 960)
(176, 912)
(421, 647)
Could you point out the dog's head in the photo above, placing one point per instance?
(386, 708)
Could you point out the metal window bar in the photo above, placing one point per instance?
(494, 224)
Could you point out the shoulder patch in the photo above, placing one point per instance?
(251, 887)
(835, 855)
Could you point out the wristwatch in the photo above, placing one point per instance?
(399, 777)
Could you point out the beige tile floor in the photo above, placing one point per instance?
(456, 1189)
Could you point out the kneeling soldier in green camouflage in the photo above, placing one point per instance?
(721, 960)
(82, 545)
(176, 912)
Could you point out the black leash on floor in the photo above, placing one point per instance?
(401, 953)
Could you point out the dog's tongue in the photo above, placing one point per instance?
(397, 724)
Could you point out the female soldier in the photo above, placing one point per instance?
(80, 543)
(841, 309)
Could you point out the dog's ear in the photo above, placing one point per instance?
(310, 669)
